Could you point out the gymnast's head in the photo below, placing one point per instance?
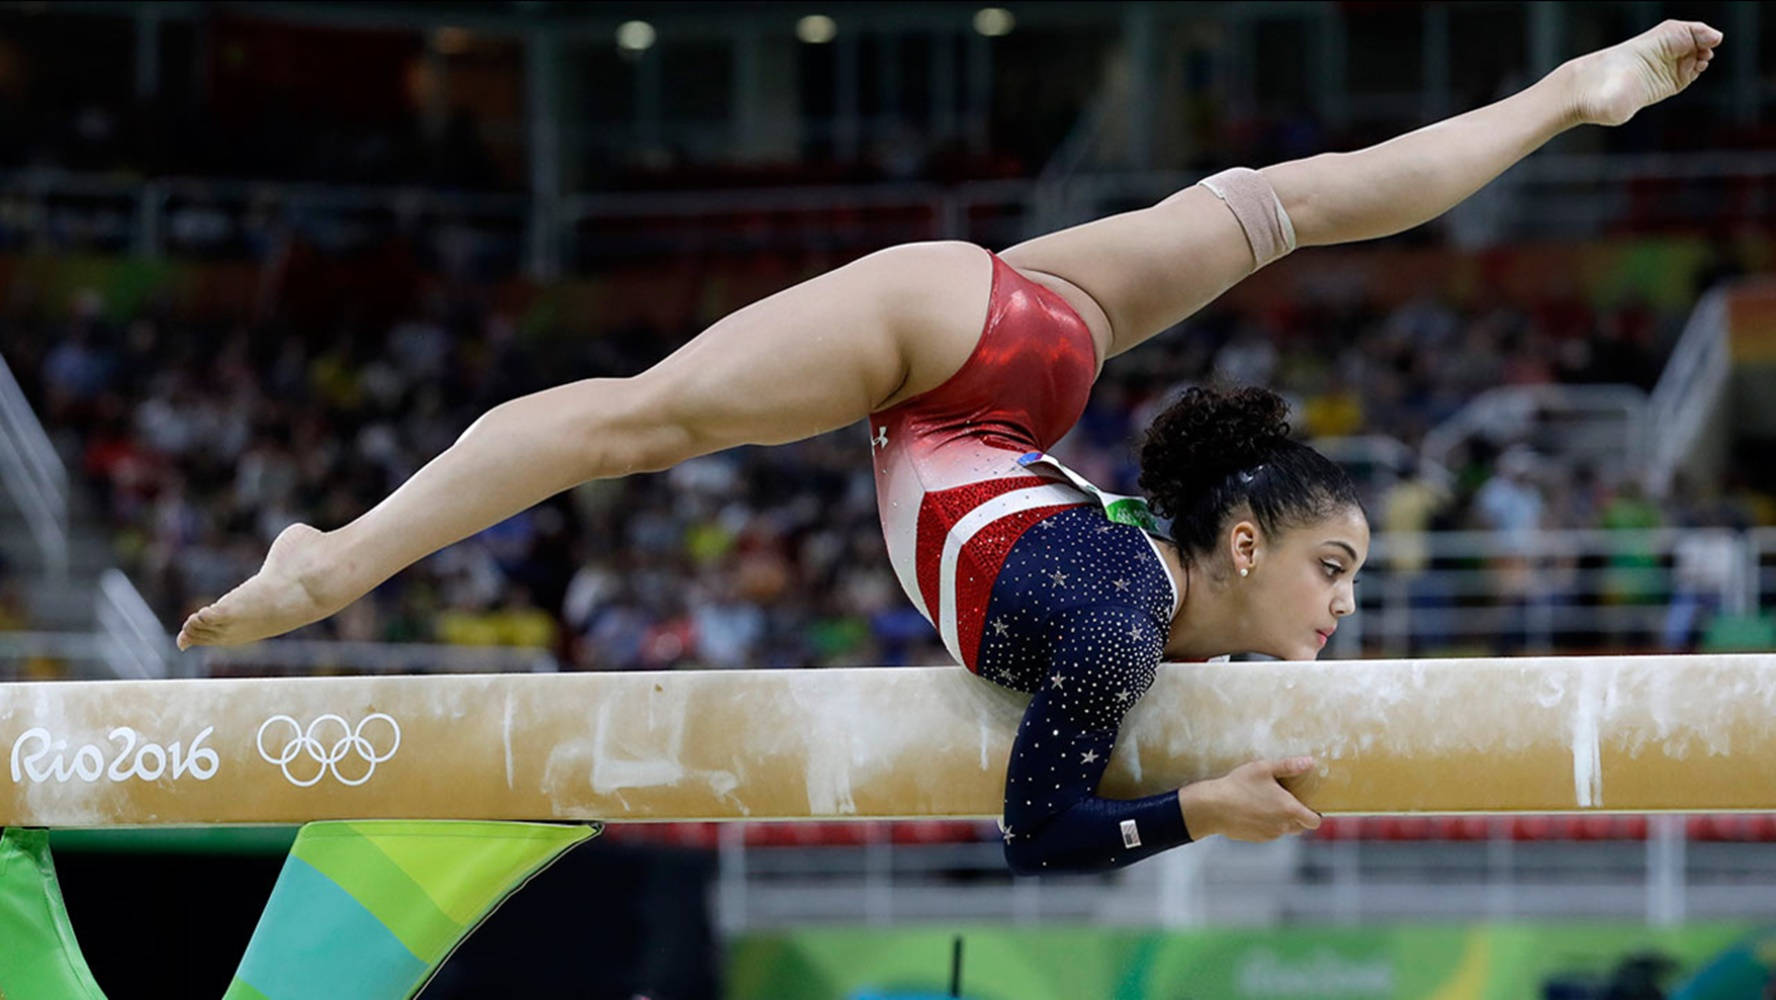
(1271, 532)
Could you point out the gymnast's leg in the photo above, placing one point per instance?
(1145, 270)
(812, 358)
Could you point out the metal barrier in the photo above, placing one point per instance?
(1375, 461)
(1550, 591)
(1440, 592)
(33, 474)
(298, 656)
(1580, 193)
(1761, 568)
(1601, 425)
(1670, 870)
(106, 654)
(136, 646)
(1689, 390)
(21, 647)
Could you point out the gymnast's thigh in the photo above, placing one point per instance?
(822, 354)
(1145, 270)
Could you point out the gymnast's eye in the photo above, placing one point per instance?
(1332, 568)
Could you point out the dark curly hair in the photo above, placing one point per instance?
(1215, 450)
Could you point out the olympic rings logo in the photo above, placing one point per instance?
(327, 743)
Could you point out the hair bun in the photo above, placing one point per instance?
(1208, 434)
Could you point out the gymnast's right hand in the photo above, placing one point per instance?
(1249, 803)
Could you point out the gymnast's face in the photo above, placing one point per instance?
(1299, 584)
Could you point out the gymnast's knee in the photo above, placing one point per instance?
(636, 428)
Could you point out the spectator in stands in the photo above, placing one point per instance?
(1705, 560)
(1409, 510)
(1510, 504)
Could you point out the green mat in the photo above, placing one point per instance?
(363, 910)
(40, 958)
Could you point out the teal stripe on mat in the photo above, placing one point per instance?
(315, 942)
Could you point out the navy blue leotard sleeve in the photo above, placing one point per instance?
(1104, 657)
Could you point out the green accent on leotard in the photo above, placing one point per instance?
(1121, 509)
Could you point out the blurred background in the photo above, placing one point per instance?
(258, 262)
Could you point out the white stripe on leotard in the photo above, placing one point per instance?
(971, 524)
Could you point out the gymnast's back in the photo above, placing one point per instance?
(961, 480)
(1033, 577)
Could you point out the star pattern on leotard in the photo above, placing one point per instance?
(880, 440)
(1079, 617)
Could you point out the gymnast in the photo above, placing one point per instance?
(967, 365)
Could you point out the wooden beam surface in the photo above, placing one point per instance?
(1392, 736)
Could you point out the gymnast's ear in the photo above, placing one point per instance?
(1244, 539)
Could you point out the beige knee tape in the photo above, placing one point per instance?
(1259, 211)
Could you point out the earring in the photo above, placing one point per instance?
(1243, 571)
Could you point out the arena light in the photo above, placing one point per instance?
(994, 21)
(635, 36)
(816, 29)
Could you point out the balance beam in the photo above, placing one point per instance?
(1392, 736)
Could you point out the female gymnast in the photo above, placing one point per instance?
(967, 365)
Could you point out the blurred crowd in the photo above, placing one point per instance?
(201, 440)
(403, 102)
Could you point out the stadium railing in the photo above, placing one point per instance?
(1601, 426)
(1690, 391)
(1571, 195)
(136, 644)
(34, 474)
(1573, 591)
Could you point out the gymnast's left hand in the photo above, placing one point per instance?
(1608, 86)
(1249, 803)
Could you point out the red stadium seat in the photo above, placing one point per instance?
(1532, 827)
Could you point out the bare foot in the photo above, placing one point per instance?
(286, 593)
(1611, 84)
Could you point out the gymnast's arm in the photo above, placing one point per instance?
(1104, 659)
